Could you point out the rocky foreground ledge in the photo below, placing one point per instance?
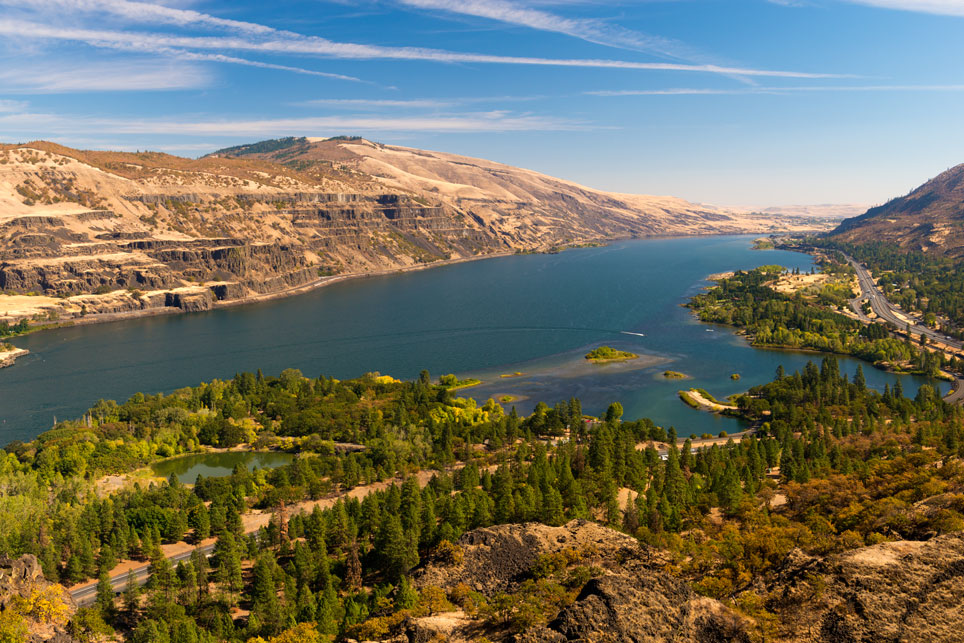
(893, 591)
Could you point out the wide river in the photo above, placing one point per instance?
(536, 314)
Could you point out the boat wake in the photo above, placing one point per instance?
(626, 332)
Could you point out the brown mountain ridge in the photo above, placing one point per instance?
(928, 219)
(88, 233)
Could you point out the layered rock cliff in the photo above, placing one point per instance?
(103, 232)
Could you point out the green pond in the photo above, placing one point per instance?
(211, 465)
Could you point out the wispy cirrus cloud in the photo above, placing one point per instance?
(7, 105)
(315, 46)
(128, 75)
(251, 37)
(939, 7)
(468, 122)
(696, 91)
(375, 103)
(417, 103)
(588, 29)
(142, 12)
(154, 14)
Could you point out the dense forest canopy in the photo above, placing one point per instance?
(341, 568)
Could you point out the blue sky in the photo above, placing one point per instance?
(735, 102)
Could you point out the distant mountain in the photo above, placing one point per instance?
(929, 219)
(96, 232)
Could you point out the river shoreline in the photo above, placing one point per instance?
(102, 318)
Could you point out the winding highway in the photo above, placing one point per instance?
(86, 595)
(889, 313)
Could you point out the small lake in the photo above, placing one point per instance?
(536, 314)
(212, 465)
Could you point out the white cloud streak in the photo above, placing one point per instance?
(106, 76)
(367, 103)
(594, 31)
(221, 58)
(684, 91)
(417, 103)
(12, 106)
(143, 12)
(142, 41)
(496, 121)
(938, 7)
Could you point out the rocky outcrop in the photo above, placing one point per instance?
(7, 358)
(497, 559)
(21, 583)
(636, 609)
(18, 576)
(190, 301)
(630, 599)
(905, 591)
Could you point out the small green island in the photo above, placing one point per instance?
(609, 354)
(452, 383)
(674, 375)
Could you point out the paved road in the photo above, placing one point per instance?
(87, 594)
(886, 311)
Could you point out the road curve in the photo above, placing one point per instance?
(886, 311)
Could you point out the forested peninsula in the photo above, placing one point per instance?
(775, 312)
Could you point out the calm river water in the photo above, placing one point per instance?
(537, 314)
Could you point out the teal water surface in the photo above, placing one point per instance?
(533, 313)
(211, 465)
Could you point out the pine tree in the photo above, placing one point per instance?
(264, 592)
(353, 569)
(131, 595)
(105, 596)
(107, 560)
(229, 563)
(396, 547)
(326, 614)
(307, 607)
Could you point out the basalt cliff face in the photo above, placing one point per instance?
(87, 232)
